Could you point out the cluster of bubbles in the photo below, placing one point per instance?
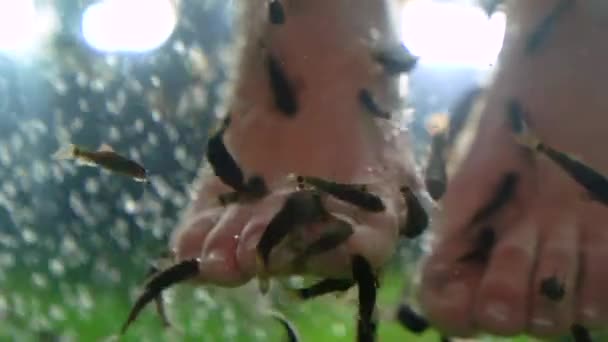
(76, 242)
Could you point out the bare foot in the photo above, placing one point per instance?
(324, 49)
(547, 227)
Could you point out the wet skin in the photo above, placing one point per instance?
(322, 57)
(550, 227)
(546, 228)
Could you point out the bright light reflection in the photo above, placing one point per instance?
(22, 27)
(128, 25)
(450, 33)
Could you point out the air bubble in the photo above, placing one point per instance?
(56, 267)
(29, 236)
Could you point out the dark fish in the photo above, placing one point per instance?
(368, 102)
(503, 193)
(324, 287)
(367, 331)
(580, 333)
(547, 25)
(300, 208)
(223, 164)
(363, 275)
(396, 60)
(159, 300)
(335, 234)
(552, 288)
(351, 193)
(276, 12)
(482, 247)
(417, 218)
(292, 335)
(177, 273)
(435, 176)
(282, 90)
(411, 320)
(104, 157)
(591, 180)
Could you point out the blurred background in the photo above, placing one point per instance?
(148, 78)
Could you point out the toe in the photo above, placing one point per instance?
(502, 300)
(187, 241)
(558, 257)
(593, 302)
(448, 288)
(218, 258)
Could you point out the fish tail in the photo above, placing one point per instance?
(65, 152)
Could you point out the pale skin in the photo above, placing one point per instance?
(549, 227)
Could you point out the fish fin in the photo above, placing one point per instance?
(84, 162)
(105, 148)
(65, 152)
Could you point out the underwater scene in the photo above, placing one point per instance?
(303, 170)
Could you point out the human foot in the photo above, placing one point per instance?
(324, 49)
(548, 227)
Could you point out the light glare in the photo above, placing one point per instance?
(451, 33)
(128, 25)
(22, 26)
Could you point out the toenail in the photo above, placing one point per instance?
(497, 311)
(543, 322)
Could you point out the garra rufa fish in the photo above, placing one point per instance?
(104, 157)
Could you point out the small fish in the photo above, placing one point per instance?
(595, 183)
(552, 288)
(417, 218)
(363, 275)
(300, 208)
(547, 25)
(177, 273)
(580, 333)
(292, 335)
(411, 320)
(282, 90)
(482, 247)
(159, 300)
(503, 193)
(435, 177)
(351, 193)
(396, 60)
(324, 287)
(367, 330)
(368, 102)
(334, 235)
(105, 158)
(223, 164)
(276, 12)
